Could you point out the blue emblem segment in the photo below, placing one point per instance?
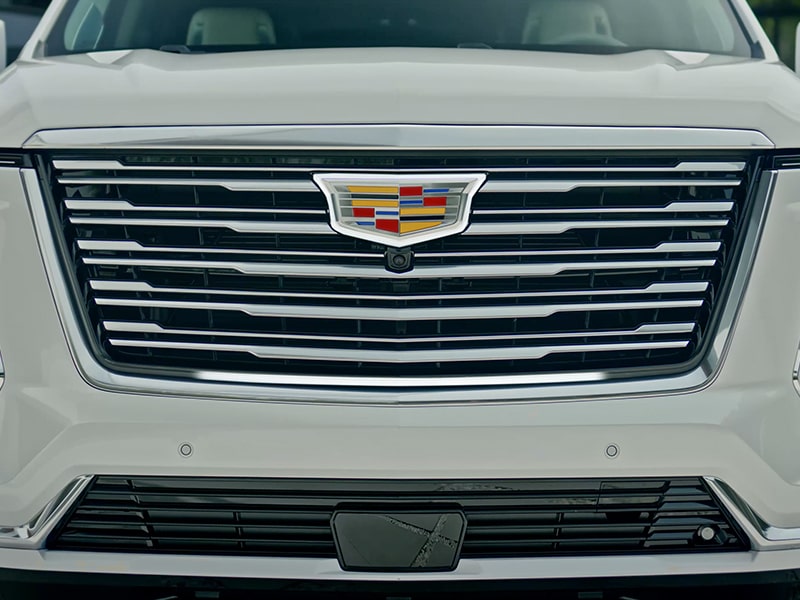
(438, 191)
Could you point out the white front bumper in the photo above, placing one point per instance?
(742, 429)
(298, 569)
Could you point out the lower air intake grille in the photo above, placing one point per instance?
(292, 518)
(611, 266)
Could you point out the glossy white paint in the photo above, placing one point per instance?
(461, 86)
(742, 428)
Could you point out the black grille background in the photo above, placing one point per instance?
(291, 518)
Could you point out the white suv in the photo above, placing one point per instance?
(383, 291)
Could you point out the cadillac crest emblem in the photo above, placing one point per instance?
(400, 210)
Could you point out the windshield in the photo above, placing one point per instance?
(593, 26)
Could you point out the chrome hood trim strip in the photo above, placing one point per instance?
(405, 137)
(115, 165)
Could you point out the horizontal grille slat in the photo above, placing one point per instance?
(399, 357)
(484, 271)
(123, 205)
(238, 226)
(496, 187)
(675, 207)
(588, 264)
(209, 533)
(484, 229)
(284, 517)
(232, 185)
(115, 165)
(653, 289)
(644, 330)
(561, 187)
(323, 530)
(122, 246)
(666, 248)
(558, 227)
(384, 314)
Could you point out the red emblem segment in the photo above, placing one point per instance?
(410, 191)
(368, 213)
(391, 225)
(436, 201)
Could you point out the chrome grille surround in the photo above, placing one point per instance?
(534, 303)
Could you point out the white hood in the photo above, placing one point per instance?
(410, 86)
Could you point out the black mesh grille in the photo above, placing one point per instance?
(291, 518)
(625, 268)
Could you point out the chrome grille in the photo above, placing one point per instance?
(571, 264)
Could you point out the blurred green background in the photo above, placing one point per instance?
(780, 19)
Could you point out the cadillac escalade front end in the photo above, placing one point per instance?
(376, 306)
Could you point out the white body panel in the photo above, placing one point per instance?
(646, 89)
